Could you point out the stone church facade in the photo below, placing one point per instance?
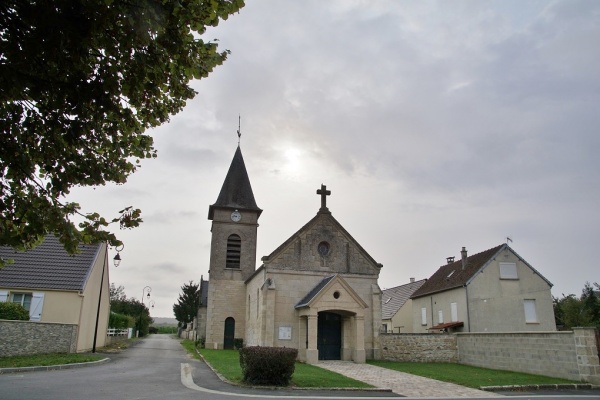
(316, 292)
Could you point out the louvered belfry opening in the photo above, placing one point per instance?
(234, 249)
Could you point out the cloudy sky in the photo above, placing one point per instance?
(436, 125)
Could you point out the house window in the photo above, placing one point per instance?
(454, 311)
(440, 317)
(530, 314)
(23, 299)
(508, 270)
(234, 249)
(423, 316)
(384, 326)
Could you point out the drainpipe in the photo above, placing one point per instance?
(431, 301)
(468, 313)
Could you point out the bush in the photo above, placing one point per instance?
(268, 365)
(153, 329)
(13, 311)
(238, 343)
(201, 343)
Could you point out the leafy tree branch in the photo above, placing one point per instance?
(75, 102)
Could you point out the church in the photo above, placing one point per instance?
(316, 292)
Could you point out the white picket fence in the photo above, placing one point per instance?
(120, 332)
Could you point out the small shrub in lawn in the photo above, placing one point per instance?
(267, 365)
(238, 343)
(13, 311)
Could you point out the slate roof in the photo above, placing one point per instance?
(48, 266)
(236, 192)
(452, 275)
(314, 291)
(394, 298)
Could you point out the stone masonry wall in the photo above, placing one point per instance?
(415, 347)
(26, 338)
(569, 355)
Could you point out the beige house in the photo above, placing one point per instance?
(492, 291)
(58, 288)
(396, 307)
(317, 292)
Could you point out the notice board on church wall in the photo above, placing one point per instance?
(285, 333)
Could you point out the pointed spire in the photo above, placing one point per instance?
(236, 192)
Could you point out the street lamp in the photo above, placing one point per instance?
(117, 259)
(149, 289)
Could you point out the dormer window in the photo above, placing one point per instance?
(234, 250)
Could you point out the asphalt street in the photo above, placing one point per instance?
(158, 367)
(151, 369)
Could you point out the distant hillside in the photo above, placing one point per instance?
(161, 321)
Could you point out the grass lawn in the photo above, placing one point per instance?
(227, 363)
(466, 375)
(46, 360)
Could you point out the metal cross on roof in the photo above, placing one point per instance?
(324, 193)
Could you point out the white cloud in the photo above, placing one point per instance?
(436, 125)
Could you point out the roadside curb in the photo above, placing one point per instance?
(274, 388)
(52, 367)
(560, 386)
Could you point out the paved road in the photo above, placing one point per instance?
(155, 368)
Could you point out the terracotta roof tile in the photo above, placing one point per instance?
(453, 275)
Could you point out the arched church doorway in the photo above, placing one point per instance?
(329, 336)
(229, 333)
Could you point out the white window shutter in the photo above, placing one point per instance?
(440, 317)
(423, 316)
(37, 303)
(530, 314)
(508, 271)
(3, 295)
(454, 311)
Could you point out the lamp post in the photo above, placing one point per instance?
(148, 289)
(117, 262)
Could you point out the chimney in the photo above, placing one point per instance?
(463, 254)
(412, 280)
(450, 260)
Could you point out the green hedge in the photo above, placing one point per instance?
(120, 321)
(13, 311)
(268, 365)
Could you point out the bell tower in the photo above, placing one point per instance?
(234, 219)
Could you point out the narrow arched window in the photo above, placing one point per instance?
(234, 249)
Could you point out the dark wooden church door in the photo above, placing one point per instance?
(229, 333)
(329, 336)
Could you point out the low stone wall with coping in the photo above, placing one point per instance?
(570, 355)
(418, 347)
(19, 338)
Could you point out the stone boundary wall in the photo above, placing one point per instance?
(418, 347)
(26, 338)
(570, 354)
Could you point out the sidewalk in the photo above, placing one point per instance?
(402, 383)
